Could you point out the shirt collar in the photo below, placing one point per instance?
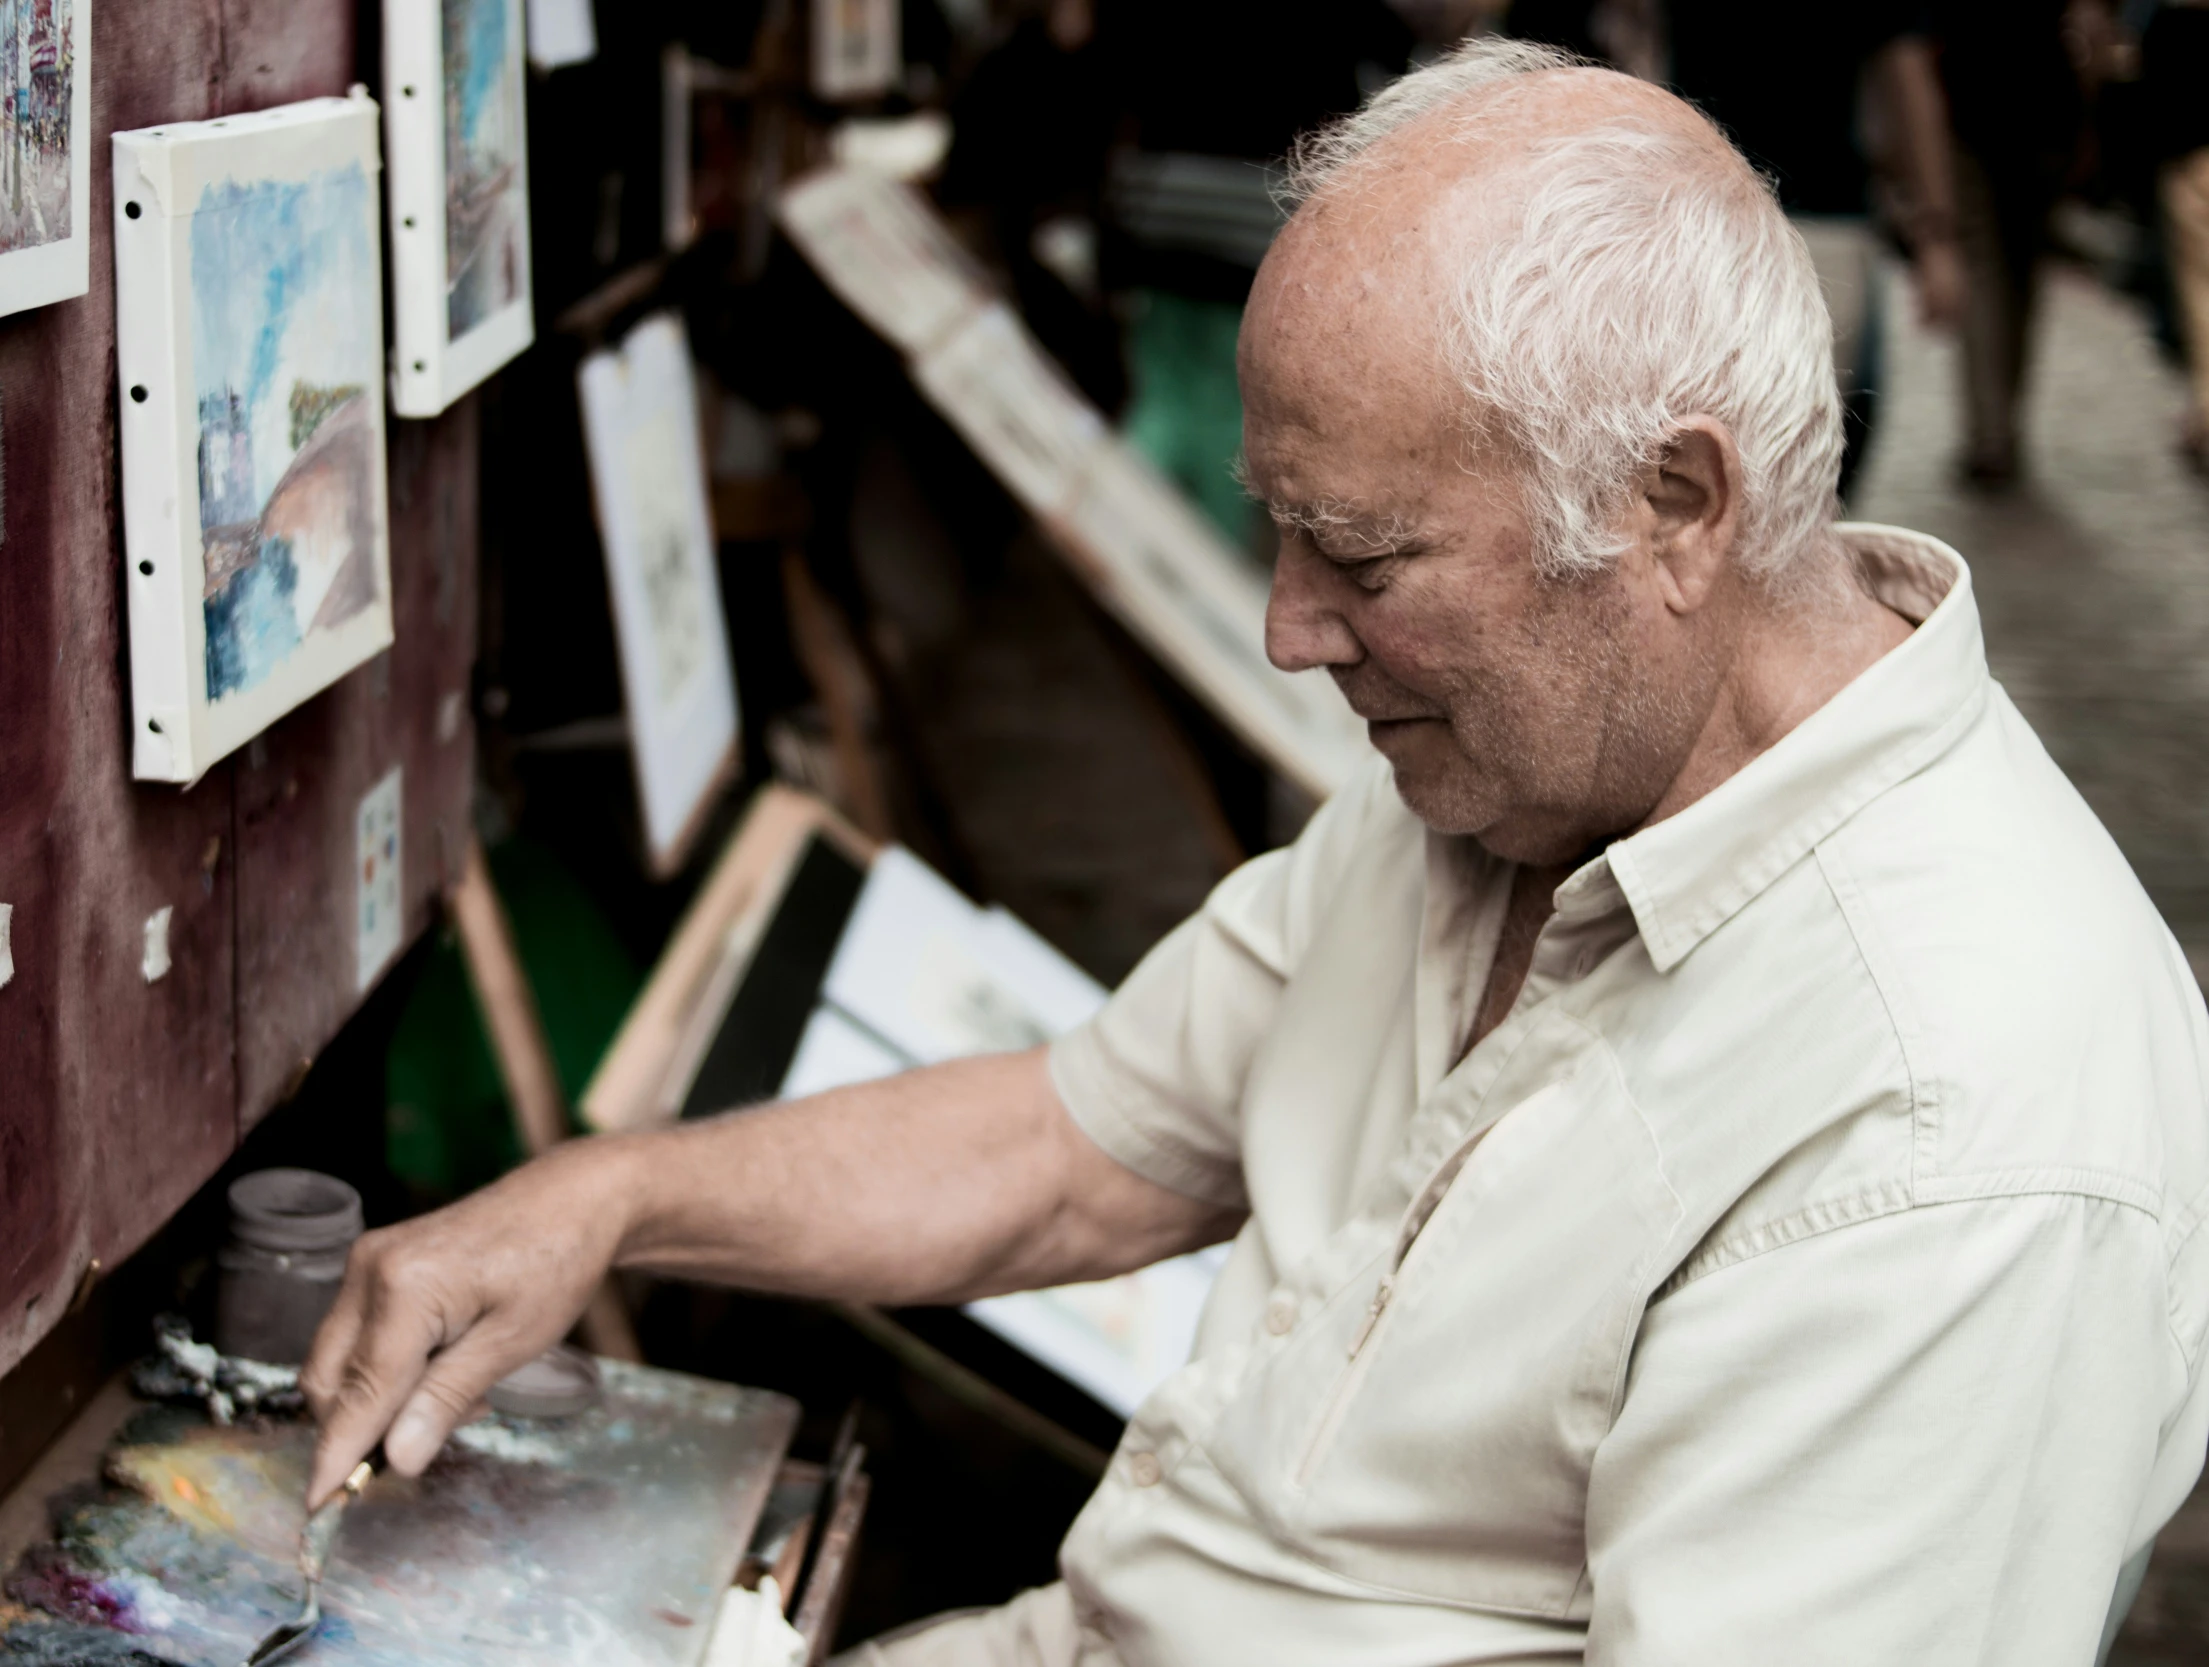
(1688, 875)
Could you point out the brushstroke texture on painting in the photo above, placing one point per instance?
(38, 61)
(483, 140)
(286, 338)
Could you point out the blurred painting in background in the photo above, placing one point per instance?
(43, 151)
(485, 209)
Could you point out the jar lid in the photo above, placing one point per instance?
(559, 1383)
(294, 1209)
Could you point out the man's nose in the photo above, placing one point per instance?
(1304, 628)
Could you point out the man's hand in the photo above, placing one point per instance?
(434, 1312)
(941, 1185)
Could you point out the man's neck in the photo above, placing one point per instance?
(1791, 662)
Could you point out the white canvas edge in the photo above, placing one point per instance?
(994, 383)
(428, 370)
(177, 734)
(62, 270)
(698, 737)
(936, 287)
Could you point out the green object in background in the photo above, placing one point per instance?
(1186, 414)
(447, 1128)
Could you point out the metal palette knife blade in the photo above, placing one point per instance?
(314, 1555)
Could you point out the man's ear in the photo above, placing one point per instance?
(1692, 501)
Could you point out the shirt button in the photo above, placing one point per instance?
(1144, 1470)
(1281, 1315)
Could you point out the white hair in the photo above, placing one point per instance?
(1644, 285)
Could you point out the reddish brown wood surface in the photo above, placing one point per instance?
(299, 786)
(119, 1097)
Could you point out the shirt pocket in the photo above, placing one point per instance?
(1433, 1434)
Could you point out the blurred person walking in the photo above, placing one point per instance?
(2174, 72)
(1788, 85)
(2016, 108)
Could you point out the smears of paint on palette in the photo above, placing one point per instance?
(603, 1540)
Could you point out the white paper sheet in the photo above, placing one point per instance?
(153, 961)
(561, 32)
(380, 899)
(922, 975)
(921, 967)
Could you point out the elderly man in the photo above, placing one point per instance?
(1714, 1135)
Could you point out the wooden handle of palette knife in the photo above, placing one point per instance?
(524, 1059)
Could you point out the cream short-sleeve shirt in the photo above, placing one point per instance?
(1807, 1271)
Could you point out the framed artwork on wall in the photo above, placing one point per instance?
(249, 325)
(640, 426)
(458, 144)
(45, 150)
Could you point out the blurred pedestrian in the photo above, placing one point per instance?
(2174, 72)
(1788, 83)
(2016, 108)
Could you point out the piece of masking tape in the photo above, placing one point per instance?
(156, 961)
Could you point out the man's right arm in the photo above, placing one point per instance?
(940, 1185)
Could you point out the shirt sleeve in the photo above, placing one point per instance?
(1922, 1438)
(1156, 1077)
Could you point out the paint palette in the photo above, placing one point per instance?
(604, 1539)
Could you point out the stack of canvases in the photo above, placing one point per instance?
(252, 361)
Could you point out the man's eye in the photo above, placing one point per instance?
(1370, 574)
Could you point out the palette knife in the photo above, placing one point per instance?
(314, 1555)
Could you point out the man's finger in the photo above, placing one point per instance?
(451, 1393)
(333, 1343)
(403, 1322)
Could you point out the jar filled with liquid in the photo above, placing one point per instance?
(290, 1230)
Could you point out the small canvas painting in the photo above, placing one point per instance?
(250, 328)
(283, 355)
(459, 195)
(45, 75)
(640, 422)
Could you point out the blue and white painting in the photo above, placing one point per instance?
(287, 342)
(485, 215)
(38, 67)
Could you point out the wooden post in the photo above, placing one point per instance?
(525, 1061)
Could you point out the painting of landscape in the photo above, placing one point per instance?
(38, 61)
(287, 342)
(485, 214)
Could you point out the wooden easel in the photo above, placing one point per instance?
(525, 1065)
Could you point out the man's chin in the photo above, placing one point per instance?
(1434, 789)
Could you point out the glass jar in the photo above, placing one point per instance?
(290, 1230)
